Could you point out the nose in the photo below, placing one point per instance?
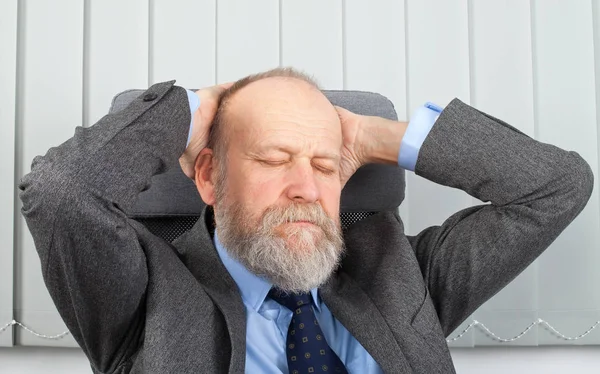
(302, 183)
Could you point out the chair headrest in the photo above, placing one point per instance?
(372, 188)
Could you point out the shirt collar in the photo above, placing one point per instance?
(254, 289)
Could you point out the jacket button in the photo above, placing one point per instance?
(150, 96)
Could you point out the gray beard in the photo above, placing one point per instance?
(294, 258)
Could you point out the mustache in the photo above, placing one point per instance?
(296, 212)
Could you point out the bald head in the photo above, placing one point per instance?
(276, 90)
(279, 106)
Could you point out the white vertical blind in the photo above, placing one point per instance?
(311, 39)
(532, 63)
(8, 76)
(50, 105)
(566, 111)
(116, 52)
(247, 38)
(183, 42)
(375, 52)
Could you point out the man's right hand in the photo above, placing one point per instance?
(202, 120)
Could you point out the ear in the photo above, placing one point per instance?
(203, 177)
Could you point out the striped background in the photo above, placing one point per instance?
(532, 63)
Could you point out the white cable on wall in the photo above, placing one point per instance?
(475, 323)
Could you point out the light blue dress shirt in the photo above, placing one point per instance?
(418, 128)
(194, 101)
(267, 325)
(267, 321)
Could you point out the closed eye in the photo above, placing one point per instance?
(325, 170)
(273, 162)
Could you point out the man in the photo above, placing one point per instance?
(277, 287)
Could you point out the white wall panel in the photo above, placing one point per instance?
(438, 51)
(311, 39)
(50, 104)
(502, 85)
(116, 54)
(502, 66)
(183, 42)
(247, 38)
(8, 74)
(375, 51)
(566, 111)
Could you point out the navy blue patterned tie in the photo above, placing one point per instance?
(306, 348)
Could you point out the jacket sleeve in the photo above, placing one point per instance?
(74, 202)
(535, 190)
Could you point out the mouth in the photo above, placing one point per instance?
(300, 223)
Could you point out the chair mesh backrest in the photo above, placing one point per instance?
(170, 228)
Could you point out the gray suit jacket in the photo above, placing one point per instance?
(137, 304)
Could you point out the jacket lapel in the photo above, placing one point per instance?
(353, 308)
(197, 251)
(348, 303)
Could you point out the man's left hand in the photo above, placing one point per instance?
(352, 153)
(367, 139)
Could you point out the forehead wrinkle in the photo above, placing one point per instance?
(299, 117)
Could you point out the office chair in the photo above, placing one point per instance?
(172, 205)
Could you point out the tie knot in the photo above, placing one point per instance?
(292, 301)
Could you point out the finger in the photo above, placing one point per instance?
(187, 169)
(225, 86)
(343, 114)
(342, 111)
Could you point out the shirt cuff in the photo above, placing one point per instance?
(418, 128)
(194, 101)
